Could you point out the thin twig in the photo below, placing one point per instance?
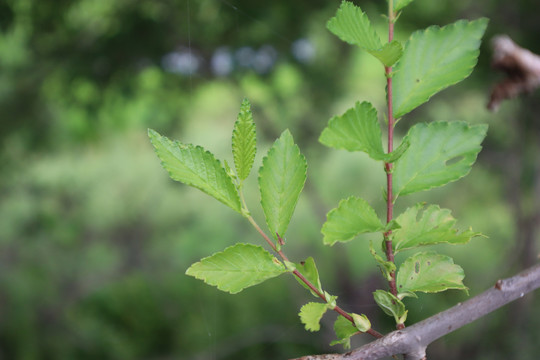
(414, 340)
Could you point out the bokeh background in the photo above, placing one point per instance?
(95, 238)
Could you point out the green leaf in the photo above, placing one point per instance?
(434, 59)
(311, 314)
(386, 267)
(435, 226)
(400, 4)
(237, 267)
(308, 269)
(361, 322)
(352, 217)
(439, 153)
(356, 130)
(397, 153)
(352, 25)
(429, 272)
(344, 329)
(281, 179)
(194, 166)
(391, 305)
(389, 54)
(244, 141)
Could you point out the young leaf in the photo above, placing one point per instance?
(434, 59)
(391, 305)
(308, 269)
(435, 226)
(387, 267)
(281, 179)
(194, 166)
(400, 4)
(352, 25)
(237, 267)
(311, 314)
(361, 322)
(244, 141)
(356, 130)
(439, 153)
(352, 217)
(344, 329)
(429, 272)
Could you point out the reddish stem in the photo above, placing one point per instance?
(303, 278)
(389, 166)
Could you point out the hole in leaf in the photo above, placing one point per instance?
(417, 267)
(454, 160)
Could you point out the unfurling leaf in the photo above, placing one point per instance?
(244, 141)
(194, 166)
(434, 59)
(308, 269)
(356, 130)
(237, 267)
(352, 25)
(311, 314)
(439, 153)
(344, 329)
(281, 179)
(429, 272)
(387, 267)
(352, 217)
(435, 226)
(391, 305)
(361, 322)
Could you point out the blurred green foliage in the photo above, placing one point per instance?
(95, 239)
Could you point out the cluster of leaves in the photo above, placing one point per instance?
(430, 155)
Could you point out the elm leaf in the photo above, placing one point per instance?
(311, 314)
(281, 179)
(344, 329)
(194, 166)
(434, 226)
(244, 141)
(356, 130)
(429, 272)
(439, 153)
(237, 267)
(352, 217)
(434, 59)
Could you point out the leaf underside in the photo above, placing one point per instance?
(434, 59)
(281, 179)
(435, 226)
(439, 153)
(390, 304)
(244, 141)
(194, 166)
(237, 267)
(352, 217)
(429, 272)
